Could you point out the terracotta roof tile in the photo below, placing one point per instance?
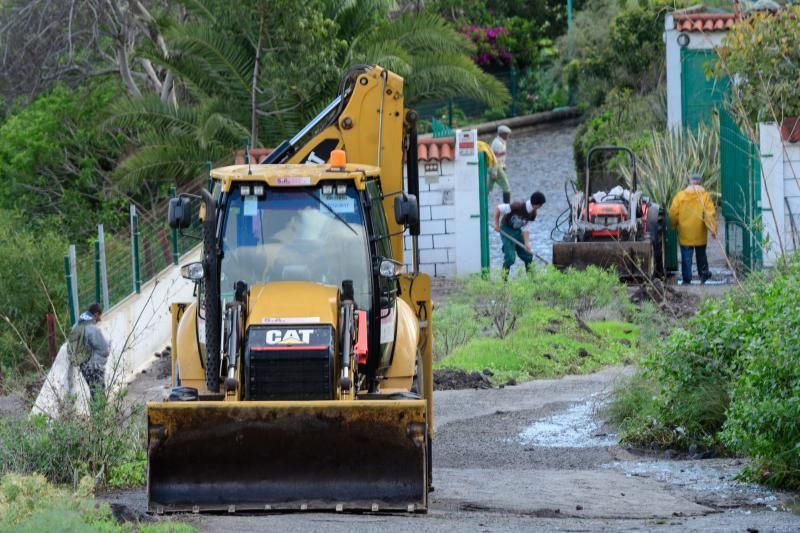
(447, 152)
(436, 149)
(705, 21)
(433, 152)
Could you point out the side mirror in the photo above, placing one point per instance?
(180, 213)
(406, 210)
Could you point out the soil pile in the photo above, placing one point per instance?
(455, 379)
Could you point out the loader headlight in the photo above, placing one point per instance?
(390, 269)
(192, 271)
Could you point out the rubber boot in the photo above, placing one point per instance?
(506, 197)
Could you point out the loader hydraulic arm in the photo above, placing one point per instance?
(368, 121)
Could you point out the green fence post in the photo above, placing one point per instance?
(176, 255)
(135, 266)
(450, 112)
(513, 91)
(70, 302)
(484, 209)
(98, 287)
(670, 246)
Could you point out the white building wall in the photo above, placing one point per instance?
(780, 192)
(467, 213)
(449, 240)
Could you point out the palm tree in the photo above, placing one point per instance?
(422, 47)
(260, 69)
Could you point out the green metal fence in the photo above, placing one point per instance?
(116, 264)
(741, 194)
(456, 112)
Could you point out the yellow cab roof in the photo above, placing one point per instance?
(293, 175)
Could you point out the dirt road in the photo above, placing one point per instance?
(538, 457)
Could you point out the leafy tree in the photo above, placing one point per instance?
(762, 53)
(54, 162)
(613, 46)
(45, 42)
(31, 275)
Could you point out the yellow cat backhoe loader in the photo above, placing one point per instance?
(302, 373)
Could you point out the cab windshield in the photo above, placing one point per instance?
(298, 234)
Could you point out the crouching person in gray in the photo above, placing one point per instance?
(88, 349)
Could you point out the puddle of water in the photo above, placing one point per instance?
(574, 428)
(708, 476)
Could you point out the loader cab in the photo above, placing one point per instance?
(326, 233)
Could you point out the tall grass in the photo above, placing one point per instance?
(672, 156)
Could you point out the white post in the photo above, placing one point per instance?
(73, 271)
(103, 270)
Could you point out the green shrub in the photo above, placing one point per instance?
(583, 291)
(531, 326)
(495, 300)
(729, 380)
(31, 504)
(455, 325)
(547, 342)
(107, 445)
(625, 119)
(762, 52)
(31, 276)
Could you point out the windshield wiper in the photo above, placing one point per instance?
(329, 208)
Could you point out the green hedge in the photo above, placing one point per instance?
(729, 380)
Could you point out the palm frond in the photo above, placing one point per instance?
(424, 32)
(388, 54)
(172, 160)
(227, 62)
(443, 75)
(151, 113)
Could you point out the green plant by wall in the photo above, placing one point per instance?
(762, 53)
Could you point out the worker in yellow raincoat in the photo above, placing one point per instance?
(692, 214)
(491, 164)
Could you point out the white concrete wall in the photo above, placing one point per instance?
(449, 240)
(135, 328)
(467, 218)
(436, 213)
(780, 167)
(697, 41)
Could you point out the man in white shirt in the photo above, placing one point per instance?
(497, 174)
(513, 221)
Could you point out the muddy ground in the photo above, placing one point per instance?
(539, 456)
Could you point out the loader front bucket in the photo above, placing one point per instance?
(632, 259)
(313, 455)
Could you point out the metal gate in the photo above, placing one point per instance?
(741, 194)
